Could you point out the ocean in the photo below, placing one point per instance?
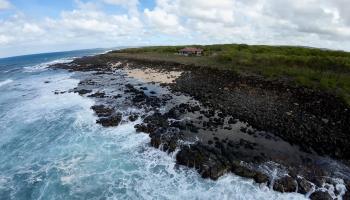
(51, 147)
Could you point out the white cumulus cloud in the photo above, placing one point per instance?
(318, 23)
(4, 4)
(84, 27)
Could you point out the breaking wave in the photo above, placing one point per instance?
(44, 66)
(2, 83)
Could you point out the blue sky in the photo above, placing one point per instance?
(32, 26)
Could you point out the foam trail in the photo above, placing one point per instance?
(44, 66)
(2, 83)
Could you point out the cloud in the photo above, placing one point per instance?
(210, 11)
(129, 3)
(85, 27)
(309, 17)
(19, 29)
(319, 23)
(171, 16)
(163, 22)
(91, 22)
(4, 5)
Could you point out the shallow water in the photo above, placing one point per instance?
(51, 147)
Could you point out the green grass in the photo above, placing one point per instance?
(320, 69)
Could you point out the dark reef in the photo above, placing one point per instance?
(291, 138)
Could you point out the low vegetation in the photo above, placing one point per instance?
(317, 68)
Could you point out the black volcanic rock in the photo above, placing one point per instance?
(285, 184)
(319, 195)
(110, 121)
(102, 111)
(304, 186)
(83, 91)
(98, 95)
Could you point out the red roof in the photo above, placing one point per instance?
(191, 49)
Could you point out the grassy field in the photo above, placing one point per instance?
(316, 68)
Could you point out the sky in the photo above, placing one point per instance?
(33, 26)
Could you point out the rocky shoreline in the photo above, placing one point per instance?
(289, 138)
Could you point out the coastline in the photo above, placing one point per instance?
(243, 129)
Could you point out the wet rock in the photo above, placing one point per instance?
(243, 129)
(47, 82)
(133, 117)
(152, 123)
(83, 91)
(110, 121)
(139, 98)
(232, 121)
(179, 124)
(98, 95)
(347, 193)
(207, 162)
(285, 184)
(304, 186)
(145, 128)
(143, 88)
(320, 195)
(250, 132)
(167, 138)
(117, 96)
(102, 111)
(261, 178)
(244, 171)
(130, 89)
(158, 120)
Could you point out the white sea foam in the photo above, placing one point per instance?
(2, 83)
(107, 51)
(45, 65)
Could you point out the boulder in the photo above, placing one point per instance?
(98, 95)
(207, 162)
(249, 173)
(347, 193)
(285, 184)
(102, 111)
(110, 121)
(304, 186)
(83, 91)
(133, 117)
(320, 195)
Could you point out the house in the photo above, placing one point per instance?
(188, 51)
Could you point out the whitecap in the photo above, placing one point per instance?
(2, 83)
(108, 51)
(45, 65)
